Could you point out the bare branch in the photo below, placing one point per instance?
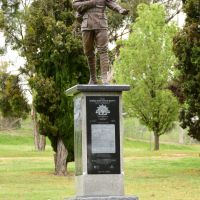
(173, 15)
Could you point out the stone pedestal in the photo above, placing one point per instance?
(106, 198)
(98, 142)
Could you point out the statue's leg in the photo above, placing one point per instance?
(89, 50)
(101, 40)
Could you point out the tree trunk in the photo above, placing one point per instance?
(156, 142)
(181, 136)
(39, 140)
(42, 142)
(60, 159)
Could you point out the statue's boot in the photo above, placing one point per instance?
(92, 68)
(104, 63)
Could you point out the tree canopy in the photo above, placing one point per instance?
(13, 103)
(44, 32)
(146, 63)
(56, 54)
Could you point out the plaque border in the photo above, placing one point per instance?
(103, 157)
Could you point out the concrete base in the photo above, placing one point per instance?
(105, 198)
(100, 185)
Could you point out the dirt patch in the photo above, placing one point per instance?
(25, 158)
(192, 172)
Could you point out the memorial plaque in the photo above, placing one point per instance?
(103, 143)
(103, 139)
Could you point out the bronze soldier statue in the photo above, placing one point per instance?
(94, 30)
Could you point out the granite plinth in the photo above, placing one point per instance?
(96, 88)
(100, 185)
(99, 172)
(106, 198)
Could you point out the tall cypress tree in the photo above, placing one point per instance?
(187, 50)
(56, 54)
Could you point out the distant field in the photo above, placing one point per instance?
(134, 129)
(170, 174)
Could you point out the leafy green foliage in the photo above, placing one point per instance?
(119, 25)
(57, 56)
(12, 20)
(187, 50)
(146, 63)
(13, 104)
(43, 31)
(118, 22)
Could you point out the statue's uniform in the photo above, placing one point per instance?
(94, 29)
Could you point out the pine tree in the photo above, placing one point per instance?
(44, 34)
(56, 54)
(187, 50)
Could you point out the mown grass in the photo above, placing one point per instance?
(173, 173)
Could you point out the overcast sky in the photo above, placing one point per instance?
(11, 56)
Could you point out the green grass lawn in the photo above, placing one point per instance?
(173, 173)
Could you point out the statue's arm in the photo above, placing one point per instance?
(82, 6)
(116, 7)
